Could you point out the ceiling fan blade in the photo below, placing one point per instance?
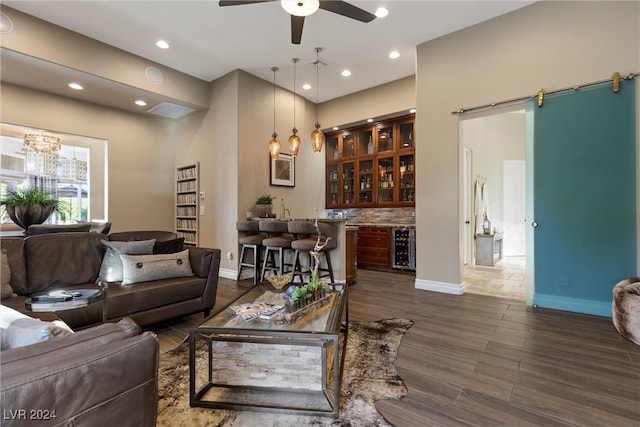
(240, 2)
(345, 9)
(297, 22)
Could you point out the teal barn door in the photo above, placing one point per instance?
(583, 168)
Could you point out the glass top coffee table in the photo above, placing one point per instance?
(270, 364)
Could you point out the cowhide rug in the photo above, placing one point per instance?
(369, 375)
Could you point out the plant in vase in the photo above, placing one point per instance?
(29, 206)
(264, 206)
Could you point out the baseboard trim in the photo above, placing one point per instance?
(442, 287)
(228, 273)
(575, 305)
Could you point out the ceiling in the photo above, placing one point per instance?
(208, 41)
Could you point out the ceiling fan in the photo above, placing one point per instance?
(298, 9)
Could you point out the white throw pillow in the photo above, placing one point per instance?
(19, 330)
(144, 268)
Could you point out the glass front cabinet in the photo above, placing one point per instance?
(372, 166)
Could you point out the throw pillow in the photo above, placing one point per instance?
(19, 330)
(111, 269)
(169, 246)
(144, 268)
(6, 291)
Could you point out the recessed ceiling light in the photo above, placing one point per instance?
(306, 86)
(336, 128)
(369, 120)
(381, 12)
(413, 110)
(345, 73)
(394, 54)
(162, 44)
(140, 102)
(75, 86)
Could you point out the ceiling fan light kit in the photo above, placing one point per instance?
(298, 9)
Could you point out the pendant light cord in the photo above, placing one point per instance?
(274, 69)
(295, 61)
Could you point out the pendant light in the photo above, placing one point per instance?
(294, 139)
(274, 144)
(317, 137)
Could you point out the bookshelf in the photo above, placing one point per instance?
(187, 206)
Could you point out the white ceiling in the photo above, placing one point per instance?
(208, 41)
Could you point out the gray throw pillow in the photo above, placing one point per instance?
(111, 269)
(144, 268)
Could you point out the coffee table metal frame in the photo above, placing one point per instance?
(330, 338)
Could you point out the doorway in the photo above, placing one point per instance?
(494, 154)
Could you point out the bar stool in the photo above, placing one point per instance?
(251, 240)
(307, 237)
(278, 241)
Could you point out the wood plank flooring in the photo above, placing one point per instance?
(487, 361)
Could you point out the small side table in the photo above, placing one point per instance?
(487, 245)
(86, 297)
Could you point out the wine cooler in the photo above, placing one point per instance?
(404, 248)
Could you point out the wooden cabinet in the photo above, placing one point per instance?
(352, 249)
(187, 206)
(371, 166)
(374, 247)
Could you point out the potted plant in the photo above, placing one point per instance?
(264, 206)
(29, 206)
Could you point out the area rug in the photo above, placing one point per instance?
(369, 375)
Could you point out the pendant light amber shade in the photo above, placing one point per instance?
(294, 142)
(274, 146)
(294, 139)
(317, 139)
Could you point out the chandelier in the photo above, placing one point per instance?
(41, 143)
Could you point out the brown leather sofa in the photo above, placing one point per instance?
(41, 263)
(100, 376)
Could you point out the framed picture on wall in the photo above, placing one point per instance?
(283, 170)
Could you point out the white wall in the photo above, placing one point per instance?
(547, 45)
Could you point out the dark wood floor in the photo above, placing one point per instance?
(487, 361)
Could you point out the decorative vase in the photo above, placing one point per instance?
(24, 216)
(263, 210)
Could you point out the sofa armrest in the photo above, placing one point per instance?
(105, 375)
(205, 262)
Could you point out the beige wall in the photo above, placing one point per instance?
(230, 141)
(393, 97)
(140, 152)
(34, 37)
(548, 44)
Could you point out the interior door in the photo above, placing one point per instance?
(584, 196)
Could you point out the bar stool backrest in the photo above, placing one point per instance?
(250, 227)
(273, 228)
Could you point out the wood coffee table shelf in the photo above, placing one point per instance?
(267, 365)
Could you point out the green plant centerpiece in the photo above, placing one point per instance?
(264, 206)
(29, 206)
